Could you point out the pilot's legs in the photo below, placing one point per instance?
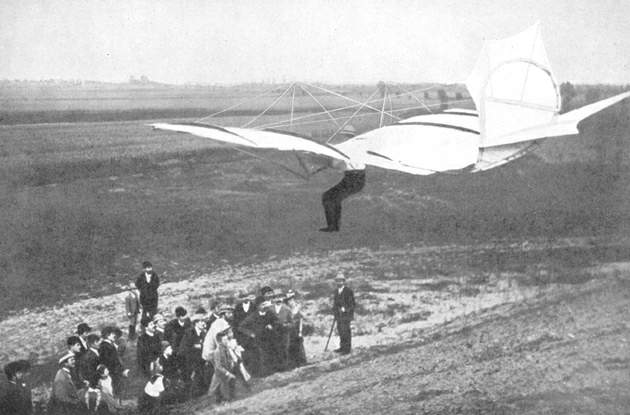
(353, 182)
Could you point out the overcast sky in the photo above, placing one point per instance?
(231, 41)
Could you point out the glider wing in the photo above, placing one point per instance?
(256, 139)
(421, 145)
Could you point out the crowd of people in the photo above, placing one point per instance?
(204, 352)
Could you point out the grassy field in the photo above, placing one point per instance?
(83, 203)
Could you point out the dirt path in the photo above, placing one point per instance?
(567, 351)
(428, 315)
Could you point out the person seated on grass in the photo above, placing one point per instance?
(15, 398)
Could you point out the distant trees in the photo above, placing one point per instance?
(443, 97)
(382, 88)
(592, 94)
(142, 80)
(567, 93)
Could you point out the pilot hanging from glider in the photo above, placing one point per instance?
(353, 182)
(517, 104)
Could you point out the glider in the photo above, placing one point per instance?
(517, 100)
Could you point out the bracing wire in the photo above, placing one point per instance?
(349, 119)
(282, 123)
(320, 104)
(363, 104)
(238, 104)
(269, 107)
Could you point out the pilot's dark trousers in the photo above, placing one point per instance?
(353, 182)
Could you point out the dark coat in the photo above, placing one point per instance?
(16, 400)
(149, 349)
(86, 366)
(148, 291)
(174, 332)
(345, 300)
(240, 314)
(190, 349)
(256, 324)
(262, 333)
(110, 358)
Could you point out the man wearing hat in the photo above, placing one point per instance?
(88, 362)
(283, 314)
(147, 284)
(190, 350)
(148, 349)
(244, 308)
(343, 310)
(224, 313)
(353, 182)
(261, 327)
(109, 356)
(225, 367)
(16, 396)
(296, 354)
(65, 398)
(83, 330)
(222, 323)
(266, 294)
(175, 329)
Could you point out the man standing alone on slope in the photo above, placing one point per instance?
(147, 284)
(343, 310)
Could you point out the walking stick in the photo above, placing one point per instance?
(330, 334)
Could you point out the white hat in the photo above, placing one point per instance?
(340, 277)
(66, 357)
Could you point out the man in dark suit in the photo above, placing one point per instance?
(83, 330)
(86, 366)
(108, 354)
(343, 310)
(261, 328)
(148, 349)
(16, 397)
(244, 308)
(147, 284)
(190, 351)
